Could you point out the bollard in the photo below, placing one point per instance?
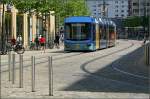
(9, 65)
(0, 77)
(147, 55)
(20, 71)
(50, 74)
(33, 73)
(13, 69)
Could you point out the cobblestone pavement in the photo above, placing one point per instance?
(105, 74)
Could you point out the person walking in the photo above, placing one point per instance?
(61, 35)
(56, 41)
(42, 43)
(36, 42)
(19, 39)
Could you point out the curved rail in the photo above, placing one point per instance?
(83, 66)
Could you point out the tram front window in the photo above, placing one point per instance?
(77, 31)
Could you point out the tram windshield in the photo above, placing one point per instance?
(77, 31)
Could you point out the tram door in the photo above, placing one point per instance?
(97, 37)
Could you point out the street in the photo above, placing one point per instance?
(116, 72)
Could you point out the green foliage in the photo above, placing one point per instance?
(136, 21)
(62, 8)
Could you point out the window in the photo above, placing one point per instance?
(116, 1)
(116, 15)
(116, 6)
(116, 10)
(122, 1)
(122, 15)
(94, 9)
(99, 5)
(94, 5)
(122, 6)
(122, 10)
(77, 31)
(135, 10)
(135, 4)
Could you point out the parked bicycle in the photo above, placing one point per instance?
(52, 44)
(18, 48)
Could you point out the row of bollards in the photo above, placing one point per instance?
(147, 54)
(12, 71)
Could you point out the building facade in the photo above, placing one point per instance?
(139, 7)
(26, 25)
(108, 8)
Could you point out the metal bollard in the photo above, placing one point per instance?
(33, 73)
(20, 71)
(147, 55)
(13, 69)
(0, 77)
(9, 65)
(50, 70)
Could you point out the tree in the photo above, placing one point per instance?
(62, 8)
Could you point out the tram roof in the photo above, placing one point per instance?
(80, 19)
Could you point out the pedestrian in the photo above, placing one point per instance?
(62, 38)
(56, 41)
(61, 31)
(19, 39)
(61, 35)
(145, 39)
(13, 41)
(32, 45)
(42, 43)
(36, 40)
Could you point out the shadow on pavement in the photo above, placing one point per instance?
(109, 80)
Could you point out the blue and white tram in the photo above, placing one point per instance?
(83, 33)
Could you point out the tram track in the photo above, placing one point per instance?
(84, 65)
(26, 59)
(64, 52)
(45, 57)
(44, 61)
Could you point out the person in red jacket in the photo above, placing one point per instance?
(42, 42)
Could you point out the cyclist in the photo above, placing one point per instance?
(13, 41)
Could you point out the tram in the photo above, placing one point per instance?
(84, 33)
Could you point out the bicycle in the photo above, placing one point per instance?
(18, 48)
(51, 44)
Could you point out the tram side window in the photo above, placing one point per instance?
(100, 31)
(85, 31)
(68, 31)
(94, 32)
(103, 33)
